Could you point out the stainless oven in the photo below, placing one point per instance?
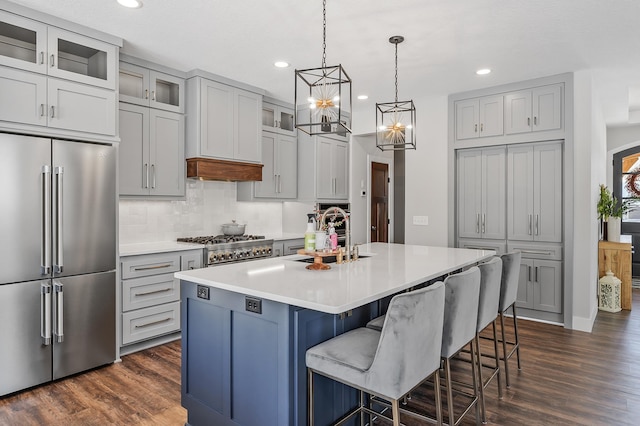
(341, 229)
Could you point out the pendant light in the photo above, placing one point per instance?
(396, 121)
(323, 95)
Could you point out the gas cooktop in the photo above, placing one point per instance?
(220, 239)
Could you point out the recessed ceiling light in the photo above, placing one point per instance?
(281, 64)
(483, 71)
(363, 97)
(133, 4)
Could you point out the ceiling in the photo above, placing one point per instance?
(446, 41)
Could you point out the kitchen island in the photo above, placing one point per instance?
(246, 328)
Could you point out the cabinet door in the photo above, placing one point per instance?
(191, 260)
(493, 193)
(547, 195)
(548, 285)
(268, 187)
(134, 150)
(467, 117)
(285, 121)
(167, 92)
(82, 59)
(469, 193)
(547, 114)
(324, 176)
(520, 193)
(134, 84)
(278, 249)
(81, 108)
(525, 296)
(216, 111)
(166, 153)
(24, 97)
(23, 43)
(247, 129)
(517, 112)
(491, 116)
(340, 167)
(287, 167)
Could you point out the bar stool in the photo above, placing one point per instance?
(490, 281)
(462, 293)
(388, 363)
(508, 295)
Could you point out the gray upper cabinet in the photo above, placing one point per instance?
(533, 110)
(223, 121)
(56, 81)
(143, 86)
(280, 172)
(151, 152)
(479, 117)
(332, 168)
(481, 193)
(277, 118)
(534, 192)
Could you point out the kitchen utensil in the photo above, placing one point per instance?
(233, 228)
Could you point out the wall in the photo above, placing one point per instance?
(208, 205)
(589, 172)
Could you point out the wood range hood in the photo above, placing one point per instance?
(224, 170)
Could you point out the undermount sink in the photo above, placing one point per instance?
(327, 259)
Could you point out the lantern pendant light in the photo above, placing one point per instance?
(323, 95)
(396, 121)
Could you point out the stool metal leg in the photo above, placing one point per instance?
(481, 387)
(505, 357)
(447, 381)
(438, 397)
(515, 328)
(395, 408)
(310, 394)
(497, 355)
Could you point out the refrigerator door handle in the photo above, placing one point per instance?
(59, 171)
(45, 313)
(59, 326)
(45, 248)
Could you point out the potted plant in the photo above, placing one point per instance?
(610, 213)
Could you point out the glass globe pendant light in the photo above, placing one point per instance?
(396, 121)
(323, 95)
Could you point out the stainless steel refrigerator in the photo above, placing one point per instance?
(57, 259)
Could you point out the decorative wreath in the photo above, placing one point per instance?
(632, 183)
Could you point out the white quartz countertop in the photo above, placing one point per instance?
(156, 247)
(390, 269)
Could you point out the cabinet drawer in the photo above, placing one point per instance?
(145, 265)
(498, 246)
(149, 291)
(536, 251)
(150, 322)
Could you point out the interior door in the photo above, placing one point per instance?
(88, 327)
(379, 202)
(84, 207)
(626, 185)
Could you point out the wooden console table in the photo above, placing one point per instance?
(617, 258)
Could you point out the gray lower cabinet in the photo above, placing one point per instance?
(151, 152)
(150, 303)
(287, 247)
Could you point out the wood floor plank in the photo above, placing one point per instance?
(568, 378)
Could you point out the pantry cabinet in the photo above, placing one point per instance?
(534, 192)
(479, 117)
(223, 121)
(533, 110)
(481, 193)
(151, 152)
(57, 81)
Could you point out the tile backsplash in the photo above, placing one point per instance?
(208, 205)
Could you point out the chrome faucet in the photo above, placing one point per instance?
(335, 211)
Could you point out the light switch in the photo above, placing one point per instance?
(421, 220)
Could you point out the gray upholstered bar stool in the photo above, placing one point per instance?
(490, 280)
(462, 293)
(508, 294)
(388, 363)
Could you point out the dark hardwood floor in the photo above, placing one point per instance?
(568, 378)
